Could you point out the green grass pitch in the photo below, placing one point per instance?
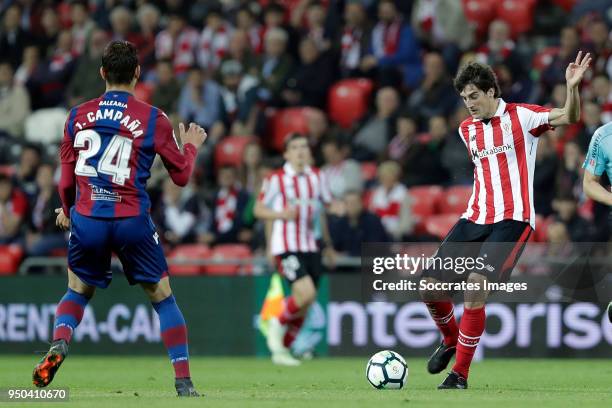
(97, 381)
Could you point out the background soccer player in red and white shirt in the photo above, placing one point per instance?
(106, 155)
(293, 198)
(501, 139)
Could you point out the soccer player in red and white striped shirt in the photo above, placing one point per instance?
(293, 199)
(501, 139)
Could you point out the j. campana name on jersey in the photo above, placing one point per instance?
(133, 126)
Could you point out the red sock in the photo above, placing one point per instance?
(290, 311)
(471, 327)
(443, 314)
(293, 328)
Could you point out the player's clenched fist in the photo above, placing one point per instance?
(62, 221)
(196, 135)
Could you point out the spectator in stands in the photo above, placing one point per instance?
(246, 21)
(51, 27)
(167, 89)
(442, 26)
(602, 95)
(392, 203)
(435, 95)
(423, 161)
(214, 40)
(591, 120)
(177, 215)
(48, 82)
(239, 49)
(555, 72)
(274, 18)
(343, 173)
(44, 236)
(318, 129)
(148, 18)
(357, 226)
(13, 210)
(29, 63)
(569, 176)
(13, 38)
(274, 66)
(200, 100)
(405, 135)
(500, 49)
(310, 82)
(601, 45)
(394, 54)
(252, 156)
(313, 13)
(544, 179)
(177, 43)
(515, 90)
(238, 98)
(229, 205)
(14, 102)
(372, 138)
(122, 23)
(82, 26)
(25, 173)
(354, 40)
(86, 83)
(578, 228)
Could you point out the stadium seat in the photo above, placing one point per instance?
(229, 150)
(10, 257)
(348, 101)
(480, 13)
(567, 5)
(195, 252)
(518, 14)
(424, 204)
(439, 225)
(455, 199)
(144, 91)
(369, 170)
(287, 121)
(230, 252)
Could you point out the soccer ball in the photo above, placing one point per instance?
(387, 370)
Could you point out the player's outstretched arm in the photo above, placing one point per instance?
(594, 190)
(574, 73)
(179, 164)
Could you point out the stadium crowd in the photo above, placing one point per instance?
(368, 81)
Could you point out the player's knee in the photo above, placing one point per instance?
(476, 297)
(304, 295)
(79, 286)
(157, 291)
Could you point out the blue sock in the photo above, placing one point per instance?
(174, 335)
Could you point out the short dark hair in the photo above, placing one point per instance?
(119, 62)
(291, 137)
(479, 75)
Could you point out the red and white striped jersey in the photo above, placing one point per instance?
(308, 192)
(503, 150)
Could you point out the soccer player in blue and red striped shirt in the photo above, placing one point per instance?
(108, 148)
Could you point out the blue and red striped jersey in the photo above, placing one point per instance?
(111, 142)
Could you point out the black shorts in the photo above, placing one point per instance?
(295, 265)
(498, 247)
